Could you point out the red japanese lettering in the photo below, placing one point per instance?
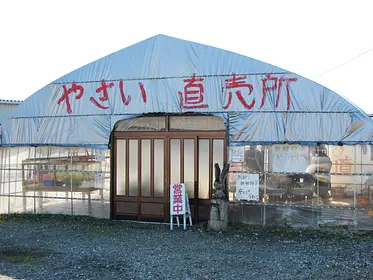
(178, 208)
(266, 88)
(277, 85)
(177, 188)
(105, 95)
(178, 199)
(125, 100)
(66, 92)
(143, 93)
(193, 94)
(344, 165)
(287, 81)
(238, 82)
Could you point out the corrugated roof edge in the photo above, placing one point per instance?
(5, 101)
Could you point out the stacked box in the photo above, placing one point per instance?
(48, 180)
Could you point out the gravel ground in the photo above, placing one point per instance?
(61, 247)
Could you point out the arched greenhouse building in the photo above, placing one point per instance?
(108, 139)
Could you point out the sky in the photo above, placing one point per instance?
(41, 41)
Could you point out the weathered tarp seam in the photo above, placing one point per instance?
(181, 113)
(173, 77)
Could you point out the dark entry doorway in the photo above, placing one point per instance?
(154, 152)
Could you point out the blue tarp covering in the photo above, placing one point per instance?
(261, 103)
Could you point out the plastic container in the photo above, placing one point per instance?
(48, 177)
(48, 183)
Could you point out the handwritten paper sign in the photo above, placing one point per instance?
(177, 199)
(237, 154)
(100, 155)
(99, 180)
(289, 158)
(247, 186)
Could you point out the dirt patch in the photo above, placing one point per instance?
(21, 255)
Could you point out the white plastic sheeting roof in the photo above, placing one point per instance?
(260, 103)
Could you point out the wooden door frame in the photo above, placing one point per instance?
(167, 135)
(138, 198)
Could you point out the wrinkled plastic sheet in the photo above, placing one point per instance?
(298, 217)
(261, 103)
(297, 128)
(53, 180)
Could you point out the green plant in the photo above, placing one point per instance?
(76, 178)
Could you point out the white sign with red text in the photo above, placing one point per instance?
(177, 199)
